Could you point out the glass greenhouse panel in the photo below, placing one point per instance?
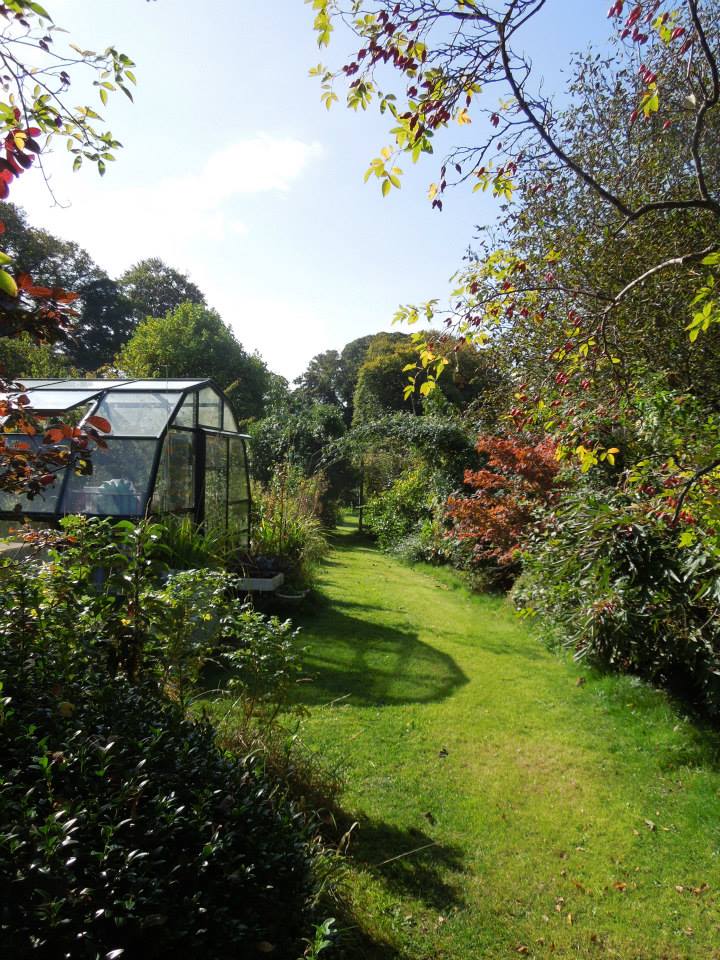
(171, 384)
(119, 482)
(239, 520)
(186, 415)
(216, 464)
(95, 385)
(46, 501)
(175, 481)
(238, 485)
(32, 384)
(137, 414)
(59, 400)
(229, 421)
(209, 408)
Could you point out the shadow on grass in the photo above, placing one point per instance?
(410, 863)
(357, 944)
(370, 664)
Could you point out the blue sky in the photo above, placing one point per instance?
(234, 172)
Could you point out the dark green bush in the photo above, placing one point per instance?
(125, 830)
(610, 581)
(124, 827)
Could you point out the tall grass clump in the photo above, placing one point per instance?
(286, 523)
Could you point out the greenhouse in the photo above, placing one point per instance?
(174, 448)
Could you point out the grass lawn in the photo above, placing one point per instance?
(560, 817)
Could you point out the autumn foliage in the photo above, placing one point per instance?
(517, 479)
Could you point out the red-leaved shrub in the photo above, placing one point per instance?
(516, 481)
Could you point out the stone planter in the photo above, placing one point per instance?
(261, 584)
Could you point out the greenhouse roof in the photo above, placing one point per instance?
(139, 407)
(101, 386)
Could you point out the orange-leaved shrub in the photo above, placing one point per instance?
(515, 484)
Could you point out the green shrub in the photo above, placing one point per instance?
(123, 825)
(188, 547)
(265, 660)
(125, 828)
(399, 511)
(610, 581)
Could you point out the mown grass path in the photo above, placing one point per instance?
(565, 820)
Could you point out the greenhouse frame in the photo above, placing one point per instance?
(174, 448)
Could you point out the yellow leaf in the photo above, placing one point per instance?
(463, 117)
(432, 192)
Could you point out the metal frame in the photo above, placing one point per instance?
(199, 447)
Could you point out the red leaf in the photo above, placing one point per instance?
(101, 423)
(54, 435)
(63, 296)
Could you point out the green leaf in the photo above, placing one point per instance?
(7, 284)
(39, 10)
(386, 187)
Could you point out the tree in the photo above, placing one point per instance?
(154, 289)
(429, 64)
(298, 433)
(381, 378)
(193, 341)
(332, 377)
(24, 357)
(104, 320)
(322, 380)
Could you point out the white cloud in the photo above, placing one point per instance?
(119, 225)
